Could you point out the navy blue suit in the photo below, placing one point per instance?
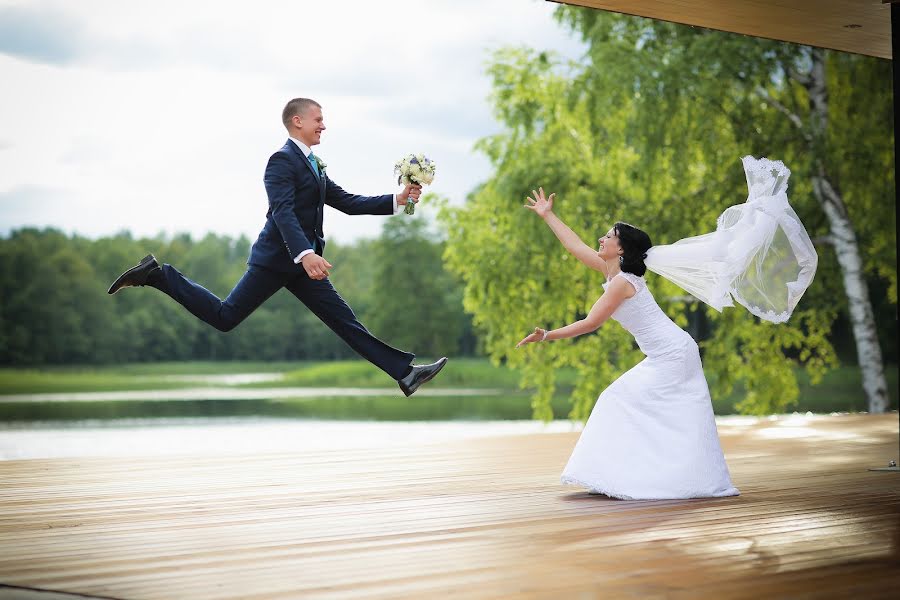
(297, 199)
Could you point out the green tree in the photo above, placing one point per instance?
(798, 101)
(55, 310)
(353, 274)
(648, 129)
(414, 301)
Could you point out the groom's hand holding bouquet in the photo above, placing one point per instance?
(409, 197)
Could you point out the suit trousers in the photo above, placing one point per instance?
(259, 284)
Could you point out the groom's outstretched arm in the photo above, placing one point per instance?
(281, 190)
(354, 204)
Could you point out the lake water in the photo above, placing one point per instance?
(221, 419)
(222, 436)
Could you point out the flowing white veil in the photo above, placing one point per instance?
(759, 255)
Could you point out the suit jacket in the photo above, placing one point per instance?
(297, 199)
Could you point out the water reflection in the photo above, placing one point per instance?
(353, 408)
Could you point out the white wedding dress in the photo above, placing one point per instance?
(652, 434)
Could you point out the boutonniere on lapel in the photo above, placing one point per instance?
(320, 163)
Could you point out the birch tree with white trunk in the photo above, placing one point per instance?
(813, 130)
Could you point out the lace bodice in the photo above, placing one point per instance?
(654, 332)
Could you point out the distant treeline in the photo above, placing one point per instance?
(54, 307)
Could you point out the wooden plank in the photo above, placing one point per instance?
(859, 26)
(16, 593)
(483, 518)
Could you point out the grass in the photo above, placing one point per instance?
(459, 373)
(137, 376)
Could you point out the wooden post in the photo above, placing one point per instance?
(895, 69)
(895, 53)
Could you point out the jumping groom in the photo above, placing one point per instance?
(289, 252)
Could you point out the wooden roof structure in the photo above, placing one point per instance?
(858, 26)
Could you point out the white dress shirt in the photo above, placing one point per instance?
(306, 150)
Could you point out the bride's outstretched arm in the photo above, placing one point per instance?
(619, 290)
(543, 206)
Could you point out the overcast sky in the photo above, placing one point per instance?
(159, 116)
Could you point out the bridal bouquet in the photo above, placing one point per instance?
(416, 169)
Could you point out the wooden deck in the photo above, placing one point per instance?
(475, 519)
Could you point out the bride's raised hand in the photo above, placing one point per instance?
(540, 204)
(537, 336)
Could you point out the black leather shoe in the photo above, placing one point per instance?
(135, 275)
(420, 374)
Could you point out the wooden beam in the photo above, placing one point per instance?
(858, 26)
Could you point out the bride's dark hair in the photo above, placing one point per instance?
(634, 244)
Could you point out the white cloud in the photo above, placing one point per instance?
(161, 116)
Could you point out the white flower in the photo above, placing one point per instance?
(414, 168)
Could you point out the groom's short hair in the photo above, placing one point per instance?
(297, 106)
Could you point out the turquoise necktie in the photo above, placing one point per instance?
(315, 165)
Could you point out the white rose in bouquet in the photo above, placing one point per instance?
(415, 169)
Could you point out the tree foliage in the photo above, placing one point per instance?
(55, 309)
(422, 306)
(649, 129)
